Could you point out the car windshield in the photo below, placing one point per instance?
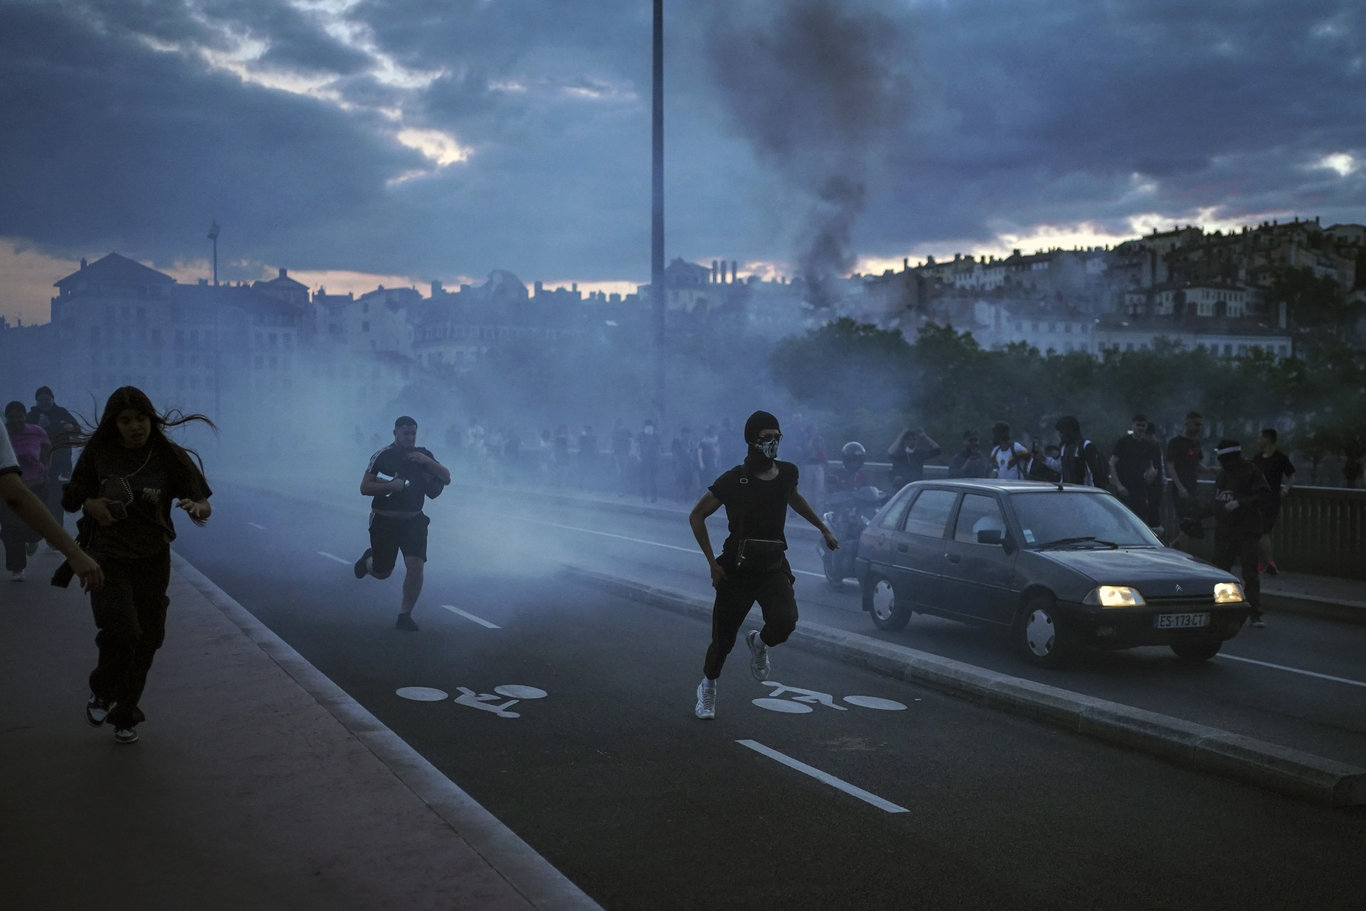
(1062, 518)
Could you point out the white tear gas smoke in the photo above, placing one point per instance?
(818, 88)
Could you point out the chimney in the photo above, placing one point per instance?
(284, 273)
(734, 271)
(714, 278)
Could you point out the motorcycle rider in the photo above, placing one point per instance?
(853, 477)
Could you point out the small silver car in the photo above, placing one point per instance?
(1062, 566)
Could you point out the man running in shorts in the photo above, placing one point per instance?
(399, 477)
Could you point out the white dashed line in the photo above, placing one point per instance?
(323, 553)
(468, 616)
(824, 777)
(254, 525)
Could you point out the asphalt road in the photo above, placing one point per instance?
(568, 714)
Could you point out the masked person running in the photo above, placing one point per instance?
(751, 566)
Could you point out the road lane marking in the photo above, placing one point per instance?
(608, 534)
(323, 553)
(1295, 670)
(468, 616)
(824, 777)
(254, 525)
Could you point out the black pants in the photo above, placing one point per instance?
(130, 612)
(1241, 546)
(735, 596)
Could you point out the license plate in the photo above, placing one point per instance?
(1181, 621)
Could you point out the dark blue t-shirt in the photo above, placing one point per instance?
(392, 462)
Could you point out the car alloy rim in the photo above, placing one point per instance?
(1040, 633)
(883, 599)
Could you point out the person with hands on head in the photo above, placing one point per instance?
(397, 522)
(751, 566)
(18, 503)
(124, 483)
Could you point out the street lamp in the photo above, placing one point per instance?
(213, 236)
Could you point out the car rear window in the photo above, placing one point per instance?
(930, 513)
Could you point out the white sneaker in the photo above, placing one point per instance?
(758, 662)
(706, 700)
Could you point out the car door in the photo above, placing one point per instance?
(976, 579)
(876, 544)
(918, 547)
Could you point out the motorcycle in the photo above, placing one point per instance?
(847, 514)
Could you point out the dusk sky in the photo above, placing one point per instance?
(396, 142)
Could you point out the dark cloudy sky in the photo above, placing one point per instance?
(359, 142)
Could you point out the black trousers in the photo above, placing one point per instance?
(1241, 547)
(734, 598)
(130, 612)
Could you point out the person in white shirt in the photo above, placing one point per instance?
(1011, 459)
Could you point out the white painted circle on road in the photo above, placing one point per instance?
(873, 702)
(517, 691)
(783, 705)
(422, 693)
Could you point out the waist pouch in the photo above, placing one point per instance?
(755, 555)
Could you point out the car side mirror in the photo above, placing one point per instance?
(991, 536)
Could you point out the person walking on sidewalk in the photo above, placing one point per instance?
(18, 503)
(751, 567)
(399, 477)
(125, 482)
(1280, 477)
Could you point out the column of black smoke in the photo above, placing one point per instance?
(818, 87)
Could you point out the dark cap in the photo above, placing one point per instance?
(44, 390)
(1228, 447)
(758, 422)
(1141, 417)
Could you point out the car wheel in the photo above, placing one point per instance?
(1196, 651)
(1042, 639)
(830, 562)
(880, 601)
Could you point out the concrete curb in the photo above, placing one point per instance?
(516, 861)
(1266, 765)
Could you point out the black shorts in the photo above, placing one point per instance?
(391, 534)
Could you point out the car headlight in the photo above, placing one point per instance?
(1228, 593)
(1114, 596)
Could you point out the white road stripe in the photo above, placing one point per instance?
(468, 616)
(1294, 670)
(824, 777)
(323, 553)
(254, 525)
(608, 534)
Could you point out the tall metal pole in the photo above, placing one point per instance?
(657, 216)
(213, 236)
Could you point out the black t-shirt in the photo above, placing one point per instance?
(60, 427)
(909, 464)
(148, 482)
(1133, 456)
(754, 508)
(392, 461)
(1184, 458)
(1275, 468)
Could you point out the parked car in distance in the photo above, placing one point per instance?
(1062, 566)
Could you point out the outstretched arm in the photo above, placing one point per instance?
(25, 504)
(803, 509)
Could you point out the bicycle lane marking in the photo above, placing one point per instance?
(824, 777)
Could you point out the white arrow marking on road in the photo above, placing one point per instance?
(1295, 670)
(323, 553)
(824, 777)
(468, 616)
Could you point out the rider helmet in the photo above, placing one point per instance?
(853, 455)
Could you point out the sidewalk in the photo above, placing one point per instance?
(257, 783)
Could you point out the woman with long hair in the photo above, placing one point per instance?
(124, 483)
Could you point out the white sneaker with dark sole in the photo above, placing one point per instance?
(125, 735)
(758, 661)
(96, 710)
(706, 701)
